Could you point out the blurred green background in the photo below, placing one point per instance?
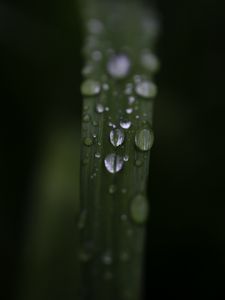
(40, 45)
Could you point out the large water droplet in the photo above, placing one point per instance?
(144, 139)
(90, 87)
(113, 163)
(150, 61)
(119, 66)
(125, 124)
(116, 137)
(139, 209)
(146, 89)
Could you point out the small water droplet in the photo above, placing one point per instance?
(112, 189)
(126, 158)
(116, 137)
(129, 111)
(138, 163)
(139, 209)
(146, 89)
(86, 118)
(131, 100)
(96, 55)
(87, 70)
(123, 217)
(97, 155)
(86, 107)
(90, 87)
(94, 135)
(95, 26)
(105, 86)
(150, 61)
(113, 163)
(125, 124)
(88, 141)
(99, 108)
(124, 191)
(144, 139)
(106, 108)
(85, 161)
(107, 259)
(129, 89)
(119, 66)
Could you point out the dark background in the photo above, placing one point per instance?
(40, 62)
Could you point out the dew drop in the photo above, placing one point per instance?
(125, 124)
(119, 66)
(87, 70)
(86, 107)
(97, 155)
(150, 61)
(126, 158)
(144, 139)
(129, 111)
(138, 163)
(105, 86)
(106, 108)
(139, 209)
(88, 141)
(95, 26)
(96, 55)
(99, 108)
(112, 189)
(131, 100)
(90, 87)
(113, 163)
(116, 137)
(146, 89)
(107, 259)
(128, 89)
(86, 118)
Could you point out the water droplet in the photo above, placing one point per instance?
(94, 135)
(146, 89)
(113, 163)
(95, 26)
(100, 108)
(138, 163)
(97, 155)
(129, 111)
(116, 137)
(119, 66)
(90, 87)
(96, 55)
(86, 118)
(105, 86)
(107, 259)
(87, 70)
(126, 158)
(88, 141)
(112, 189)
(125, 124)
(85, 161)
(123, 218)
(150, 61)
(86, 107)
(139, 209)
(129, 89)
(144, 139)
(106, 108)
(131, 100)
(124, 191)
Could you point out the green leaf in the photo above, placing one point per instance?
(118, 93)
